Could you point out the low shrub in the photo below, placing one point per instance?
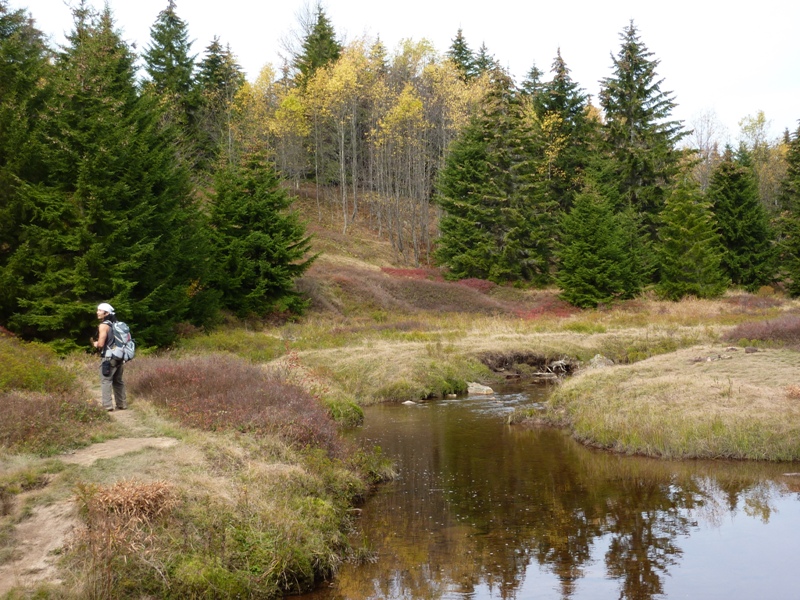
(780, 331)
(480, 285)
(218, 392)
(33, 367)
(252, 345)
(47, 423)
(753, 302)
(429, 274)
(120, 550)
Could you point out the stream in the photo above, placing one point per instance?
(484, 510)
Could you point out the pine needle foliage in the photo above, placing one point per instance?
(748, 258)
(689, 249)
(261, 245)
(111, 218)
(639, 134)
(597, 262)
(789, 246)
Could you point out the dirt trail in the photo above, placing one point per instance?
(48, 527)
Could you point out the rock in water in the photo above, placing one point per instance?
(477, 388)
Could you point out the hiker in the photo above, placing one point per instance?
(111, 369)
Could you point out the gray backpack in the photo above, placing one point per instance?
(120, 345)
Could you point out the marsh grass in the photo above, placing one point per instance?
(255, 346)
(699, 402)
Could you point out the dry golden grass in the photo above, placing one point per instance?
(704, 401)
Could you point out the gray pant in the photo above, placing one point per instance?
(113, 381)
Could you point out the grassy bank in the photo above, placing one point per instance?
(706, 401)
(254, 499)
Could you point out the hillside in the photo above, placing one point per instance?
(228, 473)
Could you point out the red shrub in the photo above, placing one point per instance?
(222, 392)
(430, 274)
(46, 422)
(783, 330)
(481, 285)
(547, 305)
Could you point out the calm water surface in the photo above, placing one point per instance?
(483, 510)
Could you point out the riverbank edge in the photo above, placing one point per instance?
(709, 401)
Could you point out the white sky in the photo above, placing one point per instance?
(715, 56)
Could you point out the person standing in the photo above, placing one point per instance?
(111, 369)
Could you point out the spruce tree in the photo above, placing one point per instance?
(566, 133)
(491, 224)
(24, 90)
(748, 258)
(170, 66)
(485, 62)
(596, 263)
(219, 77)
(320, 48)
(168, 59)
(462, 56)
(789, 223)
(112, 219)
(639, 135)
(261, 247)
(689, 250)
(532, 83)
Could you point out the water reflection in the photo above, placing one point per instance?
(483, 510)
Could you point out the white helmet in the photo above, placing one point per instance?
(105, 307)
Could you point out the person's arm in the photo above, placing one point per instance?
(102, 336)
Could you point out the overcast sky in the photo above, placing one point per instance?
(715, 56)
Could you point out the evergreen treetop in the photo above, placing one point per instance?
(319, 48)
(639, 135)
(168, 59)
(462, 56)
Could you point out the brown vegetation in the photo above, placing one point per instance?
(219, 392)
(780, 331)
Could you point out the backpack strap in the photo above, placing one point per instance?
(109, 337)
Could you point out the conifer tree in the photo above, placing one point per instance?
(689, 250)
(485, 62)
(789, 224)
(24, 90)
(112, 219)
(319, 48)
(493, 226)
(471, 189)
(561, 107)
(261, 246)
(596, 264)
(170, 66)
(532, 83)
(748, 257)
(219, 77)
(462, 56)
(168, 59)
(639, 135)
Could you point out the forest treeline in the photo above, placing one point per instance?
(159, 181)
